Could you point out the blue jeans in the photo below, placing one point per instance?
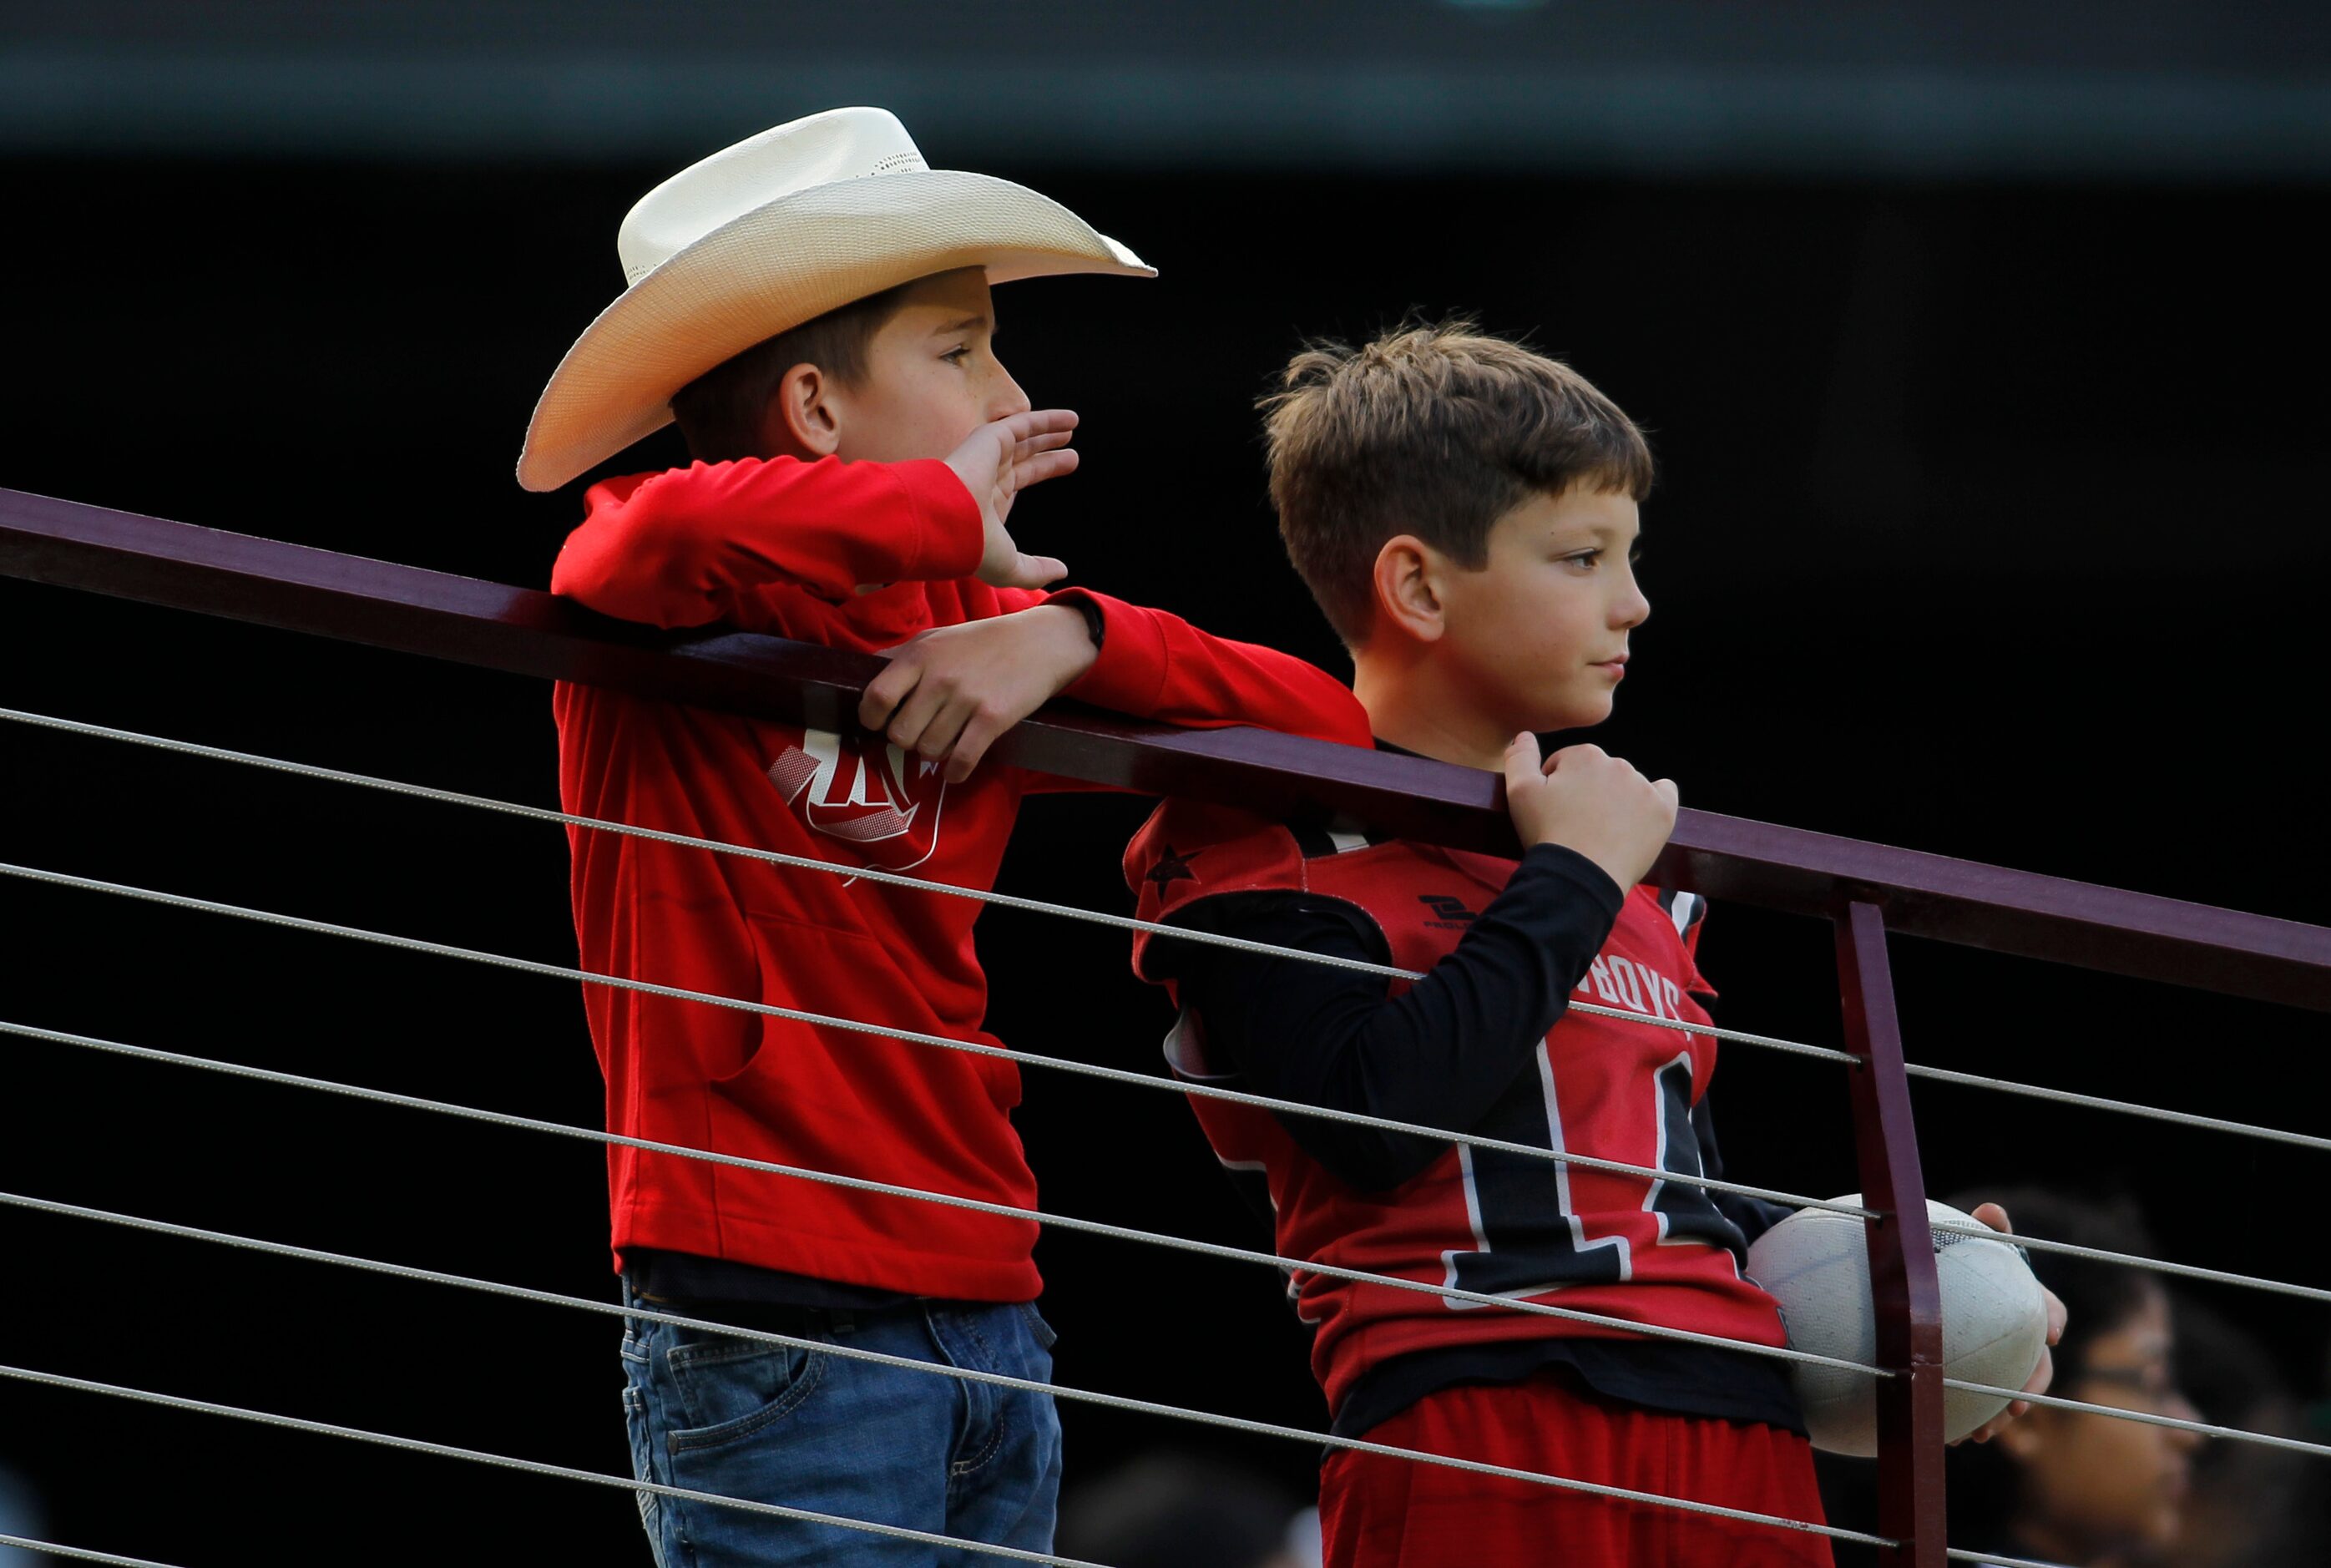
(805, 1429)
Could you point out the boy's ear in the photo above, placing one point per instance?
(801, 420)
(1408, 598)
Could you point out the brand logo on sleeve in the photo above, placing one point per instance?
(881, 800)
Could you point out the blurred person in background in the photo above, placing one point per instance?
(2252, 1507)
(19, 1514)
(2067, 1486)
(1182, 1510)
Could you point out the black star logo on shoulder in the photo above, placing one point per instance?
(1170, 869)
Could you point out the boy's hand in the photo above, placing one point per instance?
(950, 692)
(1992, 1215)
(996, 464)
(1586, 800)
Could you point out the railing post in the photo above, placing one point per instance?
(1903, 1287)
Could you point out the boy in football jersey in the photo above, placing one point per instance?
(812, 305)
(1465, 512)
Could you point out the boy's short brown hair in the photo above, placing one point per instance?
(719, 413)
(1436, 430)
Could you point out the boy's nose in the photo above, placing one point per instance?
(1633, 608)
(1004, 398)
(2183, 1409)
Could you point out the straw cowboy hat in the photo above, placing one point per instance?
(762, 236)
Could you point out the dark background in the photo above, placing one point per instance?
(1990, 523)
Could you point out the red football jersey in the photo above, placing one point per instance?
(1489, 1221)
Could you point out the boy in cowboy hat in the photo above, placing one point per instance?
(813, 306)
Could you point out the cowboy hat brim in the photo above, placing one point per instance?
(772, 269)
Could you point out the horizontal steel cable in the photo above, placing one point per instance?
(80, 1553)
(2158, 1266)
(2122, 1107)
(2146, 1418)
(857, 873)
(1958, 1554)
(530, 1467)
(886, 1189)
(529, 966)
(941, 1369)
(1029, 1059)
(263, 1074)
(1115, 1401)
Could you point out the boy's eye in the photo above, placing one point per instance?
(958, 353)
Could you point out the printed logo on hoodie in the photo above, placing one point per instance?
(879, 798)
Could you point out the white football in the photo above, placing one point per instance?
(1816, 1265)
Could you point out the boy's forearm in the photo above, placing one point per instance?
(1440, 1054)
(1156, 665)
(685, 546)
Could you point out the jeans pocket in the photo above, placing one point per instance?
(729, 1389)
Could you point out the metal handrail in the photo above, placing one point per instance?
(526, 632)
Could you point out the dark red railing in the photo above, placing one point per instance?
(1868, 891)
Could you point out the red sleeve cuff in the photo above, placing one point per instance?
(1129, 674)
(950, 536)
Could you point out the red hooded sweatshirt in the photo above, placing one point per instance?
(779, 546)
